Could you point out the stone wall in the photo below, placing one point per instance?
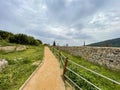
(106, 56)
(8, 48)
(20, 48)
(12, 48)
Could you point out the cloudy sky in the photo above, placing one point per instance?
(65, 21)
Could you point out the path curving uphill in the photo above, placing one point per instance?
(48, 76)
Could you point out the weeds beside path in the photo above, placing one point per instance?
(20, 66)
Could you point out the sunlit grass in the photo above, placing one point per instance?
(102, 83)
(20, 66)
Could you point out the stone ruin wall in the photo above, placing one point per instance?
(104, 56)
(12, 48)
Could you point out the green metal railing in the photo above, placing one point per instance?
(63, 63)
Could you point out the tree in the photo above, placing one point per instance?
(24, 39)
(39, 41)
(54, 43)
(0, 38)
(19, 38)
(5, 35)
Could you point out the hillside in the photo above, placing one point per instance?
(17, 66)
(8, 37)
(107, 43)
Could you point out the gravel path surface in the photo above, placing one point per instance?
(48, 76)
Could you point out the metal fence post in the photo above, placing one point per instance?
(64, 70)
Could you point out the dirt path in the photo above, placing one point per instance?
(48, 76)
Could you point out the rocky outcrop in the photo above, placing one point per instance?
(8, 48)
(12, 48)
(105, 56)
(20, 48)
(3, 64)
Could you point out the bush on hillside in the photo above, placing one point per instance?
(19, 38)
(5, 35)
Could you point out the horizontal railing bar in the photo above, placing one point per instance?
(90, 70)
(73, 82)
(63, 55)
(83, 78)
(96, 73)
(62, 61)
(60, 53)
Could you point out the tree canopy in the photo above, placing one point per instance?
(54, 43)
(5, 35)
(19, 38)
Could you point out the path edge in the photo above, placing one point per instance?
(24, 84)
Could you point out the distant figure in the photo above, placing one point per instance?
(66, 45)
(84, 43)
(57, 44)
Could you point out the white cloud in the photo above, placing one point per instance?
(99, 17)
(103, 26)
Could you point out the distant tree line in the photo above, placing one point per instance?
(19, 38)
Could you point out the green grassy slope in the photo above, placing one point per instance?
(100, 82)
(20, 66)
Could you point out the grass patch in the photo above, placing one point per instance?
(20, 66)
(102, 83)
